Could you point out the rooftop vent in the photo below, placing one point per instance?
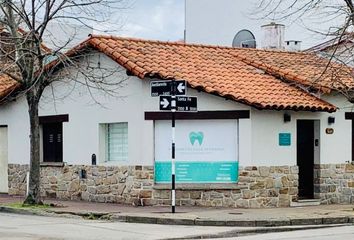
(293, 45)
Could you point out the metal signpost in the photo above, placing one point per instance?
(170, 100)
(173, 172)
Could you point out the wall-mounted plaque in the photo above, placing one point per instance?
(284, 139)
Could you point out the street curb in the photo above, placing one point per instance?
(236, 223)
(33, 212)
(189, 221)
(20, 211)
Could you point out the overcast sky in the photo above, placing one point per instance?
(164, 20)
(149, 19)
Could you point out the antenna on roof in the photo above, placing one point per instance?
(244, 39)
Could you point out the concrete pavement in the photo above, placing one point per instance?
(313, 215)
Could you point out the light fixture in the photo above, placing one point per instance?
(287, 117)
(331, 120)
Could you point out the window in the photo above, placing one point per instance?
(117, 142)
(52, 142)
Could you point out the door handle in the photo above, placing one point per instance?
(316, 142)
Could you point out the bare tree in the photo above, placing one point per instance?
(31, 66)
(339, 15)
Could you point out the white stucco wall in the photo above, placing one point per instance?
(258, 136)
(81, 133)
(266, 126)
(217, 22)
(15, 116)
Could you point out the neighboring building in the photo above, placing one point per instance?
(217, 22)
(340, 49)
(259, 139)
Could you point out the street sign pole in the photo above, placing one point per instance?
(173, 111)
(173, 98)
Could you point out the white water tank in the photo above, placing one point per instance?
(273, 36)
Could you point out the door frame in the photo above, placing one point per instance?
(48, 119)
(316, 141)
(6, 177)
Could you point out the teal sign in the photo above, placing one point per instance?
(284, 139)
(197, 172)
(196, 136)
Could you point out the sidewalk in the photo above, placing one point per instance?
(313, 215)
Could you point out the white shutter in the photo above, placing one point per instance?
(117, 141)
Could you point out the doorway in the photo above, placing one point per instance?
(307, 154)
(3, 160)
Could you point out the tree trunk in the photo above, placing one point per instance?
(33, 196)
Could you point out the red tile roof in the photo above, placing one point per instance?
(245, 75)
(304, 68)
(7, 86)
(216, 70)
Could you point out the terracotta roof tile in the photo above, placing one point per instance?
(7, 85)
(242, 75)
(304, 68)
(228, 72)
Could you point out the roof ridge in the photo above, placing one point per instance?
(115, 37)
(156, 41)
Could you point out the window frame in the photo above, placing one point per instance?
(123, 142)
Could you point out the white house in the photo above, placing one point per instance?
(265, 134)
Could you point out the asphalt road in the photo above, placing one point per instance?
(24, 227)
(331, 233)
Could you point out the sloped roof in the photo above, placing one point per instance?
(303, 68)
(242, 75)
(213, 69)
(7, 85)
(347, 37)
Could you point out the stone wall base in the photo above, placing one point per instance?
(334, 183)
(258, 187)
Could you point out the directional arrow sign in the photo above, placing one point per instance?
(164, 103)
(181, 88)
(183, 104)
(159, 88)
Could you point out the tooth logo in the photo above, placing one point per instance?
(196, 136)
